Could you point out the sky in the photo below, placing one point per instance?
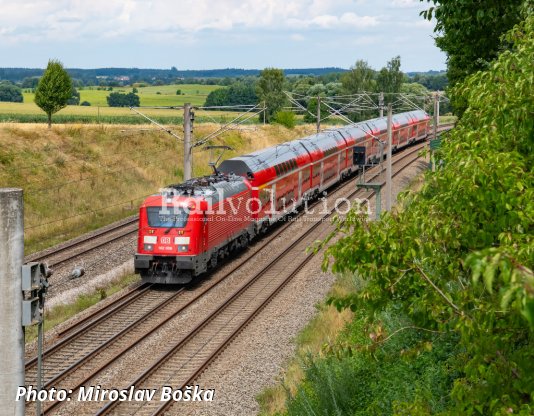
(208, 34)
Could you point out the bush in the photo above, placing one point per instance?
(412, 367)
(10, 92)
(286, 119)
(118, 99)
(75, 97)
(85, 103)
(178, 92)
(239, 93)
(457, 258)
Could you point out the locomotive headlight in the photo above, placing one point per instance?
(183, 248)
(182, 241)
(149, 247)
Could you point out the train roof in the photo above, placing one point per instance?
(325, 141)
(207, 187)
(262, 159)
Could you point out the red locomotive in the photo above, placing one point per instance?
(187, 228)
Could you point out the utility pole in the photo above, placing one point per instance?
(388, 165)
(264, 113)
(12, 338)
(437, 111)
(436, 115)
(318, 113)
(188, 154)
(381, 104)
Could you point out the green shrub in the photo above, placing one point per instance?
(286, 119)
(377, 378)
(458, 257)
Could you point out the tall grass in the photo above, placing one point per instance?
(80, 177)
(408, 374)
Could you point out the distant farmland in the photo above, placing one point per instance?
(99, 112)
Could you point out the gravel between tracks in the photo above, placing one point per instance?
(256, 359)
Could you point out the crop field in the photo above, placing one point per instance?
(163, 95)
(99, 112)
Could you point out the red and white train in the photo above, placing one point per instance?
(187, 228)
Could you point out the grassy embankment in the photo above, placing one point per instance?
(323, 328)
(77, 178)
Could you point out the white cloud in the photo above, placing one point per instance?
(297, 37)
(346, 20)
(73, 19)
(406, 3)
(352, 19)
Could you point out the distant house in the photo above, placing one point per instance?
(122, 78)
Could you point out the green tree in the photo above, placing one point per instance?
(54, 89)
(270, 91)
(389, 78)
(312, 108)
(360, 78)
(10, 92)
(414, 88)
(118, 99)
(75, 97)
(217, 97)
(436, 82)
(285, 118)
(457, 258)
(469, 32)
(30, 82)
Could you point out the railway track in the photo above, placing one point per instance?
(78, 358)
(66, 252)
(188, 358)
(105, 348)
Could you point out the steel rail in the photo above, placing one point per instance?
(287, 253)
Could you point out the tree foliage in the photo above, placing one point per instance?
(469, 32)
(311, 115)
(437, 82)
(10, 92)
(389, 78)
(54, 89)
(360, 78)
(457, 259)
(118, 99)
(75, 97)
(414, 88)
(270, 90)
(285, 118)
(239, 93)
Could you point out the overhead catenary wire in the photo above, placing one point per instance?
(227, 126)
(165, 129)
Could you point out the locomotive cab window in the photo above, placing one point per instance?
(167, 217)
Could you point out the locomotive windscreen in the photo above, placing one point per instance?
(167, 217)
